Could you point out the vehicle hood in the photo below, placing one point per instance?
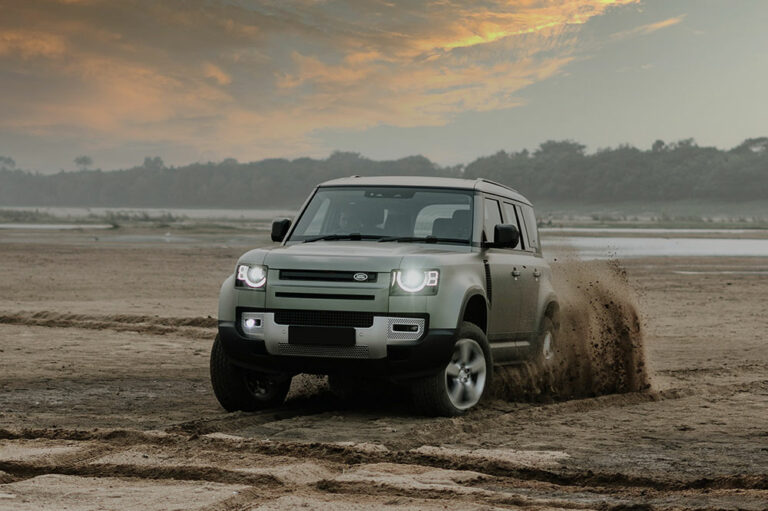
(343, 255)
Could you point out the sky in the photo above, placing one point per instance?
(200, 80)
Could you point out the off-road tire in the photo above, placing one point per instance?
(237, 388)
(431, 394)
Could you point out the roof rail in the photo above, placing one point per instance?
(497, 184)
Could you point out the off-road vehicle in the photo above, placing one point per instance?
(426, 282)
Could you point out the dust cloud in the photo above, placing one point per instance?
(599, 344)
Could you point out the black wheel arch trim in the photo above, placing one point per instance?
(471, 293)
(552, 311)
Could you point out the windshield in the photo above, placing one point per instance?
(387, 214)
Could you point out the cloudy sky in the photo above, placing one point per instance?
(191, 80)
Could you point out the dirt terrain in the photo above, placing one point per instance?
(105, 401)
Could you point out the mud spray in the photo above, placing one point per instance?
(599, 344)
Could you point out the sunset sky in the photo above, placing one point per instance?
(205, 80)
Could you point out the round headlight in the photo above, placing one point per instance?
(252, 276)
(256, 276)
(412, 281)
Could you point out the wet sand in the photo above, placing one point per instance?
(105, 402)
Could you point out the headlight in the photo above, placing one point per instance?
(422, 282)
(253, 276)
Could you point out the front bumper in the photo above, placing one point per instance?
(379, 350)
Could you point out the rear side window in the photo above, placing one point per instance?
(531, 227)
(514, 218)
(492, 218)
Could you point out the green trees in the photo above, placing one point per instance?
(681, 170)
(83, 162)
(556, 170)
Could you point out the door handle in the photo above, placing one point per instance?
(536, 273)
(515, 273)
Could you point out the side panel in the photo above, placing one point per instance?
(547, 293)
(227, 299)
(458, 275)
(547, 296)
(507, 294)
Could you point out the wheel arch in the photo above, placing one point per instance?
(474, 309)
(551, 310)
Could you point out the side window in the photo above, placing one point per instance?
(492, 218)
(531, 227)
(510, 212)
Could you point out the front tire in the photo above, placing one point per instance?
(463, 382)
(238, 388)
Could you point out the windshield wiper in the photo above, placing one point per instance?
(424, 239)
(352, 236)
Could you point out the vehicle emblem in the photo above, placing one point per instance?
(360, 277)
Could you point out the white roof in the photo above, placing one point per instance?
(482, 185)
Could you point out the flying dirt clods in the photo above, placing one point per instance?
(599, 344)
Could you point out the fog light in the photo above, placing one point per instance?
(252, 323)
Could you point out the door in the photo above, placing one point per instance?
(530, 267)
(503, 267)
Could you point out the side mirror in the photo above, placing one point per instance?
(505, 236)
(280, 229)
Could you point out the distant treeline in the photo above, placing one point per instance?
(557, 170)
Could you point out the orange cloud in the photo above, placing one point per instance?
(214, 72)
(257, 80)
(31, 43)
(649, 28)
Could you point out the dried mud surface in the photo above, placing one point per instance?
(105, 401)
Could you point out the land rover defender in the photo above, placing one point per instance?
(421, 281)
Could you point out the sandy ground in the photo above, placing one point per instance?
(105, 403)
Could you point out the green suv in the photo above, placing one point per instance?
(422, 281)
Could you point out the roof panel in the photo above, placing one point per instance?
(483, 185)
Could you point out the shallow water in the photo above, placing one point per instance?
(196, 214)
(54, 227)
(623, 247)
(646, 230)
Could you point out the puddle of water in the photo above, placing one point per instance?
(724, 272)
(197, 214)
(652, 230)
(54, 227)
(608, 247)
(150, 238)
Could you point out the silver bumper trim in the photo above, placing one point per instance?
(370, 342)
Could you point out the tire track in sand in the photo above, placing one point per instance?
(337, 453)
(196, 327)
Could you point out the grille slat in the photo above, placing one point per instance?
(324, 296)
(324, 318)
(327, 276)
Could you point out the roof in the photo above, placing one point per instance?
(483, 185)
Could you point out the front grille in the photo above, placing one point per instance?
(324, 296)
(329, 276)
(324, 318)
(323, 351)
